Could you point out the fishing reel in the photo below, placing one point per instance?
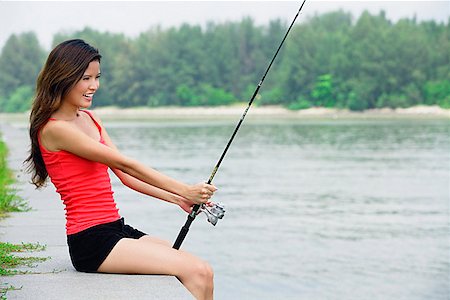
(213, 213)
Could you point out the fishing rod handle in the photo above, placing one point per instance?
(185, 229)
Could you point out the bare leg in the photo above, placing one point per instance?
(149, 255)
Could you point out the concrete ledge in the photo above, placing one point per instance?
(71, 285)
(56, 278)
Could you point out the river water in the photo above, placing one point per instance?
(316, 209)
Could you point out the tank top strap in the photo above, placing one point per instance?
(93, 119)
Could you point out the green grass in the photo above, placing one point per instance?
(4, 288)
(9, 261)
(9, 201)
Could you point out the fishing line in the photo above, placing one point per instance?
(218, 211)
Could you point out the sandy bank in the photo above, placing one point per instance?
(235, 111)
(266, 111)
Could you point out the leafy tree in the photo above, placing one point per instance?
(20, 99)
(20, 62)
(186, 94)
(301, 103)
(329, 60)
(213, 96)
(204, 95)
(323, 91)
(438, 92)
(271, 97)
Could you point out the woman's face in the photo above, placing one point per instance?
(82, 93)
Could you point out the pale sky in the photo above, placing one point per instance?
(46, 18)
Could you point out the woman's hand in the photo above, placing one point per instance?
(185, 204)
(200, 193)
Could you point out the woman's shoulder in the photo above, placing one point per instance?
(52, 132)
(55, 126)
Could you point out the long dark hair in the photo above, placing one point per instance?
(64, 67)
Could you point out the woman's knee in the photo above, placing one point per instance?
(203, 272)
(208, 271)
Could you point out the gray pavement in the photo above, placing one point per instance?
(45, 224)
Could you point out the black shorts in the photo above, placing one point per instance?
(90, 247)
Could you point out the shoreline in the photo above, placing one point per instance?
(223, 112)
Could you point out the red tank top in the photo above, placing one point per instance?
(84, 186)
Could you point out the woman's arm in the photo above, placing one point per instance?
(66, 136)
(153, 191)
(141, 186)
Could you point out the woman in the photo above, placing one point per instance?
(70, 145)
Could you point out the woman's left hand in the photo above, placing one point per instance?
(186, 205)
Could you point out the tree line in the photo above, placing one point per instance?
(328, 60)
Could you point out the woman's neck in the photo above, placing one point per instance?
(67, 113)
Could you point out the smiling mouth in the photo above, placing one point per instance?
(90, 95)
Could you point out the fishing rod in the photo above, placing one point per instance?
(217, 211)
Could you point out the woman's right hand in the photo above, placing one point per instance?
(200, 193)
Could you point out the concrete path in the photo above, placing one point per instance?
(45, 224)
